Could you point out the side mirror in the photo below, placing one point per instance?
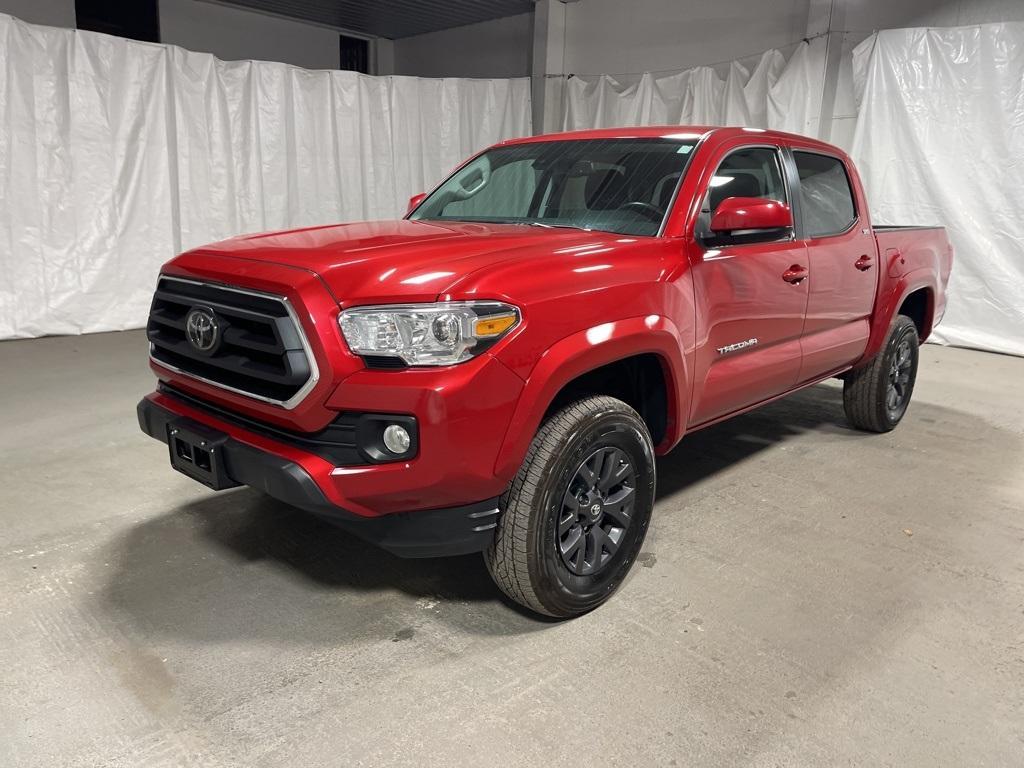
(415, 201)
(736, 214)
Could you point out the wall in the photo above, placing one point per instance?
(232, 34)
(864, 16)
(499, 48)
(615, 37)
(53, 13)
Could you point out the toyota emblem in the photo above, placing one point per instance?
(202, 330)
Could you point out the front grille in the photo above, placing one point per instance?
(259, 349)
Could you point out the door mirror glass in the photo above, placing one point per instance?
(746, 214)
(415, 201)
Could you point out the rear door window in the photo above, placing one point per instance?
(826, 198)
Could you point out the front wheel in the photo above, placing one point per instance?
(575, 517)
(876, 396)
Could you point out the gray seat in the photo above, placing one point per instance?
(606, 190)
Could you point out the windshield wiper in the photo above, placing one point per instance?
(555, 226)
(513, 222)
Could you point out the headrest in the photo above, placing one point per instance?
(740, 185)
(668, 188)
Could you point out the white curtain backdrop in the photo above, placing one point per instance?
(115, 155)
(940, 140)
(775, 93)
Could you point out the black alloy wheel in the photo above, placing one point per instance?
(597, 508)
(897, 392)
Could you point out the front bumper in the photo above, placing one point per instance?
(252, 461)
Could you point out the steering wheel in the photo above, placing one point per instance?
(652, 212)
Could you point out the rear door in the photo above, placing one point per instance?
(752, 310)
(843, 256)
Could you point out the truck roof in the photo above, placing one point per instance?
(671, 132)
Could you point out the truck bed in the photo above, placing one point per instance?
(918, 246)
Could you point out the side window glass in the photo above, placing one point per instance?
(751, 172)
(826, 200)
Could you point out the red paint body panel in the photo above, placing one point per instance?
(840, 300)
(918, 259)
(814, 307)
(589, 349)
(742, 296)
(750, 213)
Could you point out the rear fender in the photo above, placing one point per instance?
(586, 351)
(891, 298)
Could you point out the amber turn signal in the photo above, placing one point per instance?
(493, 326)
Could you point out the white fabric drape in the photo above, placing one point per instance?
(940, 140)
(115, 155)
(776, 94)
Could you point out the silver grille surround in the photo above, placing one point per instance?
(294, 400)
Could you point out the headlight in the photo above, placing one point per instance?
(427, 334)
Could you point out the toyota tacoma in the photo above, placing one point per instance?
(497, 371)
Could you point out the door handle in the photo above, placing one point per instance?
(795, 274)
(864, 263)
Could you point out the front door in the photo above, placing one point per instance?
(751, 293)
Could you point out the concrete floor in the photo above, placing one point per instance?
(808, 595)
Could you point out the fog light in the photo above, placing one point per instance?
(396, 439)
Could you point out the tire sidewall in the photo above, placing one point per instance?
(565, 592)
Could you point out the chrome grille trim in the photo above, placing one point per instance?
(294, 400)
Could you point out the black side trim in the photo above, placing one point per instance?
(351, 440)
(384, 362)
(904, 227)
(428, 533)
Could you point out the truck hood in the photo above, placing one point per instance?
(404, 260)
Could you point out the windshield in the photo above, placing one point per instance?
(615, 185)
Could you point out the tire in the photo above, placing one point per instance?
(876, 396)
(581, 455)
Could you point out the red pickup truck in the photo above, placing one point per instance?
(497, 371)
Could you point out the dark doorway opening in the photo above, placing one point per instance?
(137, 20)
(355, 54)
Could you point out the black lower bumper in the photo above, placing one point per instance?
(426, 533)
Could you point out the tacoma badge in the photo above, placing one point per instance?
(737, 346)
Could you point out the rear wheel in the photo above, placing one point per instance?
(575, 517)
(876, 396)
